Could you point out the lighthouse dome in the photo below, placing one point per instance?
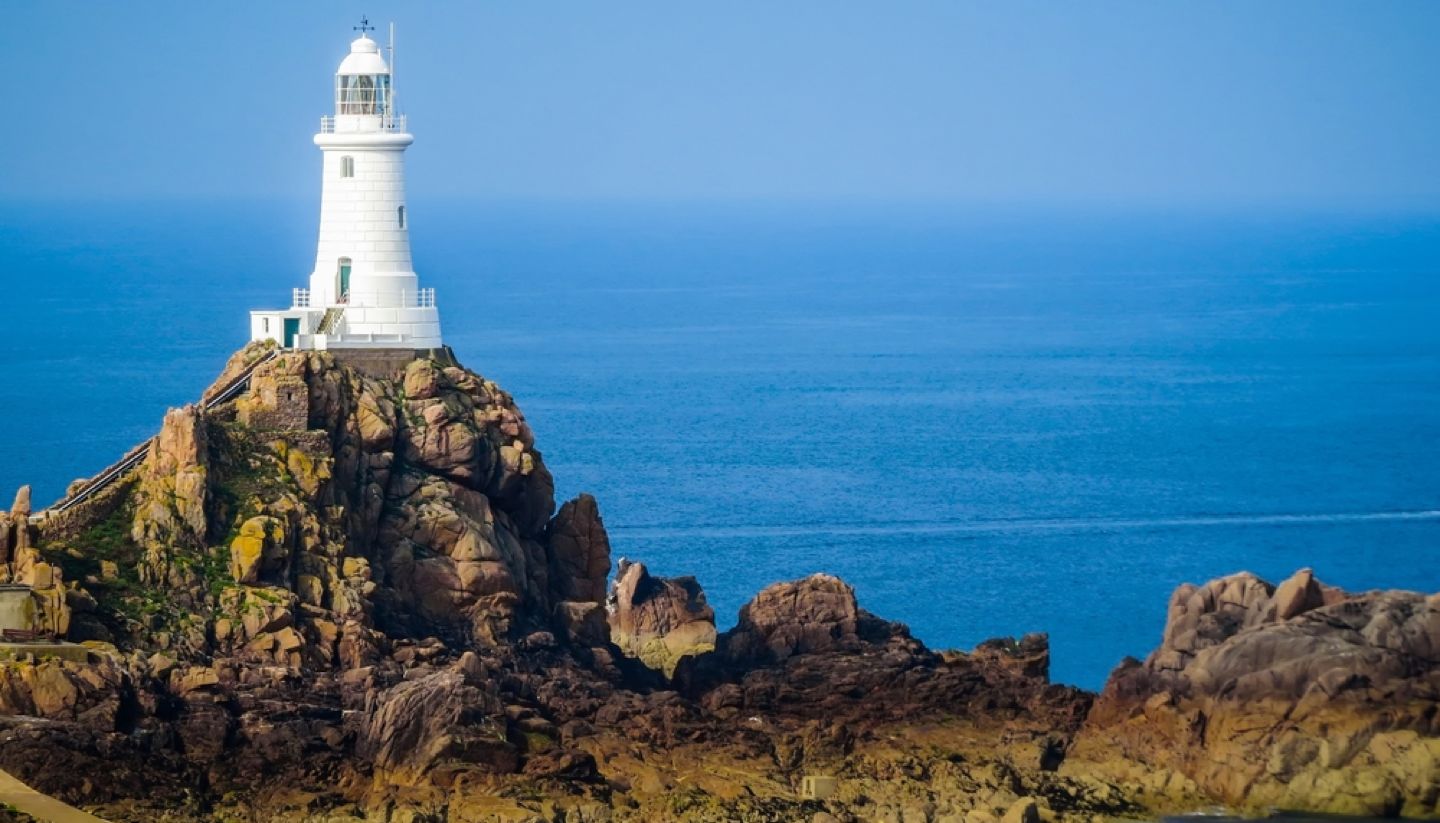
(364, 58)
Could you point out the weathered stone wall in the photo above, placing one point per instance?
(17, 611)
(279, 397)
(390, 364)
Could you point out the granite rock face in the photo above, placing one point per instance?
(659, 620)
(817, 614)
(415, 505)
(1295, 696)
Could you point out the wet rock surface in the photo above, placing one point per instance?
(343, 597)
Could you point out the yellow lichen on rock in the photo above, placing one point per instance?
(260, 539)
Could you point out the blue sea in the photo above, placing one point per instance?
(989, 423)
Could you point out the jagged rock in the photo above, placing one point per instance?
(460, 432)
(658, 620)
(259, 544)
(579, 551)
(21, 506)
(438, 716)
(15, 527)
(1027, 657)
(816, 614)
(1299, 696)
(171, 498)
(63, 690)
(583, 622)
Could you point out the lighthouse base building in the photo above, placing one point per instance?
(363, 292)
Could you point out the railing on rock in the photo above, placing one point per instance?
(138, 454)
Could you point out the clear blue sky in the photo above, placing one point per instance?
(1317, 104)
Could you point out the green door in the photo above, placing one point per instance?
(292, 328)
(344, 281)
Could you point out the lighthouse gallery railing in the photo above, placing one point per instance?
(363, 122)
(419, 299)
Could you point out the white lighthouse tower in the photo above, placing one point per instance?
(363, 291)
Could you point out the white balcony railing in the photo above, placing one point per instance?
(421, 299)
(362, 123)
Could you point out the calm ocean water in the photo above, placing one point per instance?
(989, 424)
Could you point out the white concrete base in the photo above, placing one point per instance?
(360, 327)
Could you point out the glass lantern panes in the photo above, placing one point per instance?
(362, 94)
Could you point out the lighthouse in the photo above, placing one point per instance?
(363, 292)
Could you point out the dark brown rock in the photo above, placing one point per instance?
(579, 551)
(435, 717)
(816, 614)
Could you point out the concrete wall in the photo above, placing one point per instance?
(17, 609)
(308, 321)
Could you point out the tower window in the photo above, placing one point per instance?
(401, 215)
(347, 166)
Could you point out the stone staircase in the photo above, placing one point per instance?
(331, 321)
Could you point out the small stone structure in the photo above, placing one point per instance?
(17, 608)
(279, 398)
(818, 787)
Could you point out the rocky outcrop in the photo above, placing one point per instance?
(658, 620)
(64, 690)
(22, 563)
(579, 551)
(14, 532)
(806, 648)
(817, 614)
(342, 594)
(170, 500)
(1297, 696)
(450, 715)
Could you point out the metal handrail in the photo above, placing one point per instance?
(387, 122)
(134, 457)
(418, 299)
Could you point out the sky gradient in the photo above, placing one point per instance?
(1183, 104)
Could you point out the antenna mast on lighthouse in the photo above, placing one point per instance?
(391, 48)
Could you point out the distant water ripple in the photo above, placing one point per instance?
(1021, 526)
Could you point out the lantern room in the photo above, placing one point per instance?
(362, 84)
